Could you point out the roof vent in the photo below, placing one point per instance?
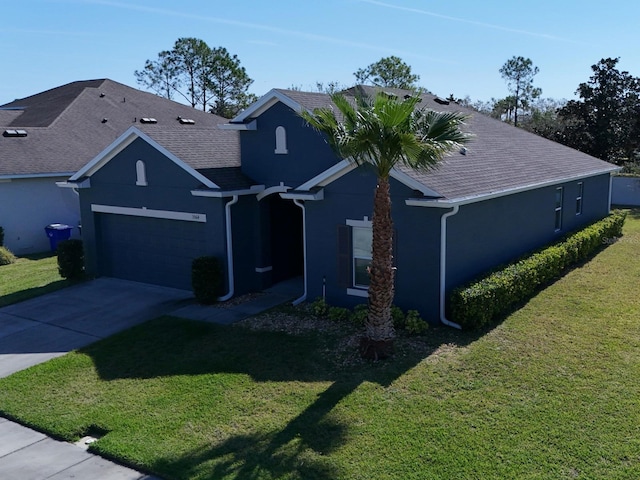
(441, 101)
(102, 94)
(463, 150)
(105, 120)
(186, 121)
(14, 133)
(148, 120)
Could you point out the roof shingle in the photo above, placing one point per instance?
(499, 157)
(69, 125)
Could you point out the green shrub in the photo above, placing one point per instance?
(70, 259)
(415, 325)
(1, 237)
(398, 317)
(338, 314)
(359, 315)
(319, 307)
(206, 279)
(6, 257)
(485, 299)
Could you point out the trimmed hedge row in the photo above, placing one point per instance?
(487, 298)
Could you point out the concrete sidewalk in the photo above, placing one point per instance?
(49, 326)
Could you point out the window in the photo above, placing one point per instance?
(141, 174)
(281, 141)
(361, 241)
(354, 256)
(579, 198)
(558, 209)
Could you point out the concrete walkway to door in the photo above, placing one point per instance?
(49, 326)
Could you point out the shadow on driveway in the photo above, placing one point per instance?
(51, 325)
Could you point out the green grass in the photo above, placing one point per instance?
(552, 392)
(29, 277)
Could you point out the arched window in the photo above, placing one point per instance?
(281, 141)
(141, 174)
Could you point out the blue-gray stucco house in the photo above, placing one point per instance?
(266, 194)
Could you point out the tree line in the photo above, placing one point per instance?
(603, 122)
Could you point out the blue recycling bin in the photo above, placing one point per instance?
(57, 232)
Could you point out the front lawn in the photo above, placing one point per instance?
(30, 276)
(552, 392)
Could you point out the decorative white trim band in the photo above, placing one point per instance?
(264, 269)
(357, 292)
(145, 212)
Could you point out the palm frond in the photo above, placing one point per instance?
(385, 130)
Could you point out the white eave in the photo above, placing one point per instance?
(448, 203)
(83, 183)
(345, 166)
(253, 190)
(252, 125)
(36, 175)
(263, 104)
(295, 195)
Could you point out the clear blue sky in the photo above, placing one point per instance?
(457, 46)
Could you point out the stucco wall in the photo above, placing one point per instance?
(29, 205)
(169, 188)
(308, 154)
(486, 234)
(417, 244)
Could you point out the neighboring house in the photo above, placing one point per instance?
(49, 136)
(267, 194)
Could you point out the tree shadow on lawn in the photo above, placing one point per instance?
(26, 294)
(169, 346)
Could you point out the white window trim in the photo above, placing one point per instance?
(281, 141)
(357, 290)
(141, 174)
(365, 223)
(579, 198)
(558, 208)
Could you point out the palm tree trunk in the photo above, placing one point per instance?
(379, 325)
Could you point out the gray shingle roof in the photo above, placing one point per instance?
(499, 157)
(69, 125)
(199, 147)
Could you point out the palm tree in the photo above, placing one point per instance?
(385, 131)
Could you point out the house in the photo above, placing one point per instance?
(49, 136)
(265, 193)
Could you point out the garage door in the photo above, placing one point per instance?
(150, 250)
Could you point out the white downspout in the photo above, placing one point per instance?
(610, 190)
(443, 266)
(297, 301)
(230, 279)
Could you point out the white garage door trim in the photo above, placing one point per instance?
(145, 212)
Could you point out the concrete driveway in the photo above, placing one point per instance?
(37, 330)
(45, 327)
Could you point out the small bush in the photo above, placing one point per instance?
(319, 307)
(1, 237)
(359, 315)
(70, 259)
(398, 317)
(482, 301)
(6, 257)
(415, 325)
(338, 314)
(206, 279)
